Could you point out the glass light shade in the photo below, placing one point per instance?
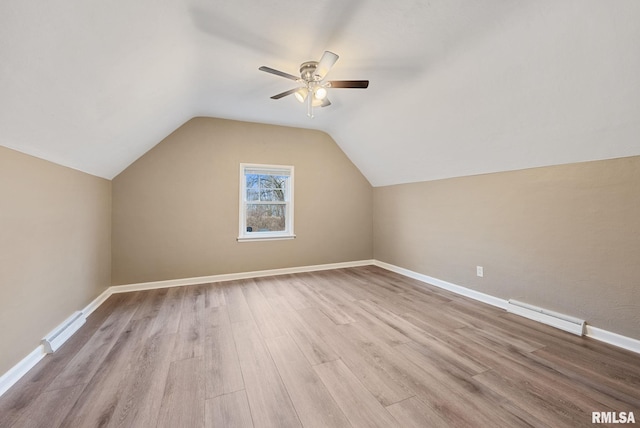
(320, 93)
(301, 94)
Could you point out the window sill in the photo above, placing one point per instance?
(265, 238)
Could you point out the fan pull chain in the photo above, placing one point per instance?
(310, 104)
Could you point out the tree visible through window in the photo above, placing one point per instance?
(266, 209)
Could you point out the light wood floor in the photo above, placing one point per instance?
(358, 347)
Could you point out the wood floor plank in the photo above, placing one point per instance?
(216, 316)
(289, 287)
(268, 398)
(424, 292)
(429, 380)
(88, 360)
(393, 320)
(433, 321)
(331, 308)
(436, 350)
(406, 292)
(145, 382)
(437, 379)
(269, 286)
(619, 389)
(314, 348)
(325, 283)
(100, 397)
(280, 304)
(339, 280)
(414, 413)
(150, 306)
(412, 377)
(52, 408)
(190, 338)
(361, 408)
(266, 319)
(222, 366)
(313, 403)
(384, 386)
(501, 336)
(383, 331)
(553, 374)
(167, 320)
(236, 303)
(214, 296)
(609, 367)
(548, 410)
(228, 411)
(375, 283)
(183, 400)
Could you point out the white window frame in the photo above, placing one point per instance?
(243, 235)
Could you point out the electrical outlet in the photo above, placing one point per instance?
(479, 271)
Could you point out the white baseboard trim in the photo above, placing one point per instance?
(458, 289)
(233, 276)
(16, 372)
(596, 333)
(611, 338)
(95, 304)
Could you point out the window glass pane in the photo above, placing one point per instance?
(253, 195)
(272, 195)
(272, 181)
(253, 181)
(266, 187)
(265, 217)
(278, 181)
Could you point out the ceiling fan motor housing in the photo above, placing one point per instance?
(307, 70)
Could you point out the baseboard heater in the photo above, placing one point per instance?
(554, 319)
(52, 341)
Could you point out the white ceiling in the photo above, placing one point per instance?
(458, 87)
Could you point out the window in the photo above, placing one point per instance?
(266, 202)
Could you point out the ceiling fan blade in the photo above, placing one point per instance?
(278, 73)
(349, 84)
(325, 64)
(284, 94)
(325, 102)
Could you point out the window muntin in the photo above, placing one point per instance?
(266, 202)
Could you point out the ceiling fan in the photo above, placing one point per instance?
(313, 88)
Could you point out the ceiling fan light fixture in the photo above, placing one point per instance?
(301, 94)
(320, 93)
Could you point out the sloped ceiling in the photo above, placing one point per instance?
(458, 87)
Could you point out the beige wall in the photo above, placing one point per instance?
(566, 238)
(55, 233)
(175, 210)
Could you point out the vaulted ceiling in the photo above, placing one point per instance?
(458, 87)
